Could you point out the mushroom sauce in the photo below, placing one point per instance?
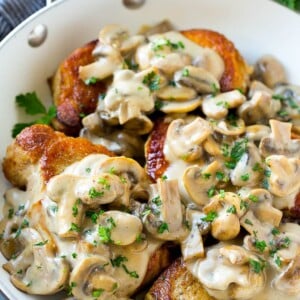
(232, 174)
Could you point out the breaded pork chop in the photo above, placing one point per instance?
(71, 95)
(177, 283)
(75, 98)
(51, 149)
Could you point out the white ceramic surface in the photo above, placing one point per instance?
(256, 27)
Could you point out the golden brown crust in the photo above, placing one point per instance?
(236, 74)
(51, 149)
(63, 153)
(156, 163)
(176, 282)
(71, 95)
(26, 150)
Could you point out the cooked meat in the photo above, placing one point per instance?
(71, 95)
(53, 150)
(175, 283)
(236, 75)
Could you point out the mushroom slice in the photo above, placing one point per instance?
(119, 228)
(169, 63)
(217, 107)
(176, 93)
(165, 219)
(197, 78)
(141, 125)
(169, 107)
(285, 172)
(243, 173)
(129, 171)
(46, 273)
(257, 132)
(102, 68)
(226, 127)
(192, 247)
(270, 71)
(288, 281)
(226, 273)
(128, 97)
(184, 138)
(61, 189)
(113, 34)
(90, 275)
(197, 184)
(280, 142)
(256, 86)
(102, 189)
(227, 210)
(260, 108)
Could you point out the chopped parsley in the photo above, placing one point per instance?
(245, 177)
(75, 207)
(211, 191)
(90, 81)
(159, 44)
(97, 293)
(74, 227)
(247, 221)
(74, 255)
(278, 261)
(253, 198)
(104, 232)
(93, 215)
(54, 208)
(33, 106)
(11, 212)
(158, 104)
(152, 80)
(220, 175)
(133, 274)
(156, 200)
(162, 228)
(260, 245)
(275, 231)
(257, 266)
(206, 175)
(130, 64)
(105, 183)
(116, 262)
(164, 177)
(93, 193)
(185, 72)
(210, 216)
(257, 167)
(24, 224)
(41, 243)
(244, 204)
(70, 288)
(215, 89)
(236, 153)
(231, 209)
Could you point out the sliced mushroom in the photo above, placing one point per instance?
(280, 142)
(141, 125)
(171, 62)
(185, 137)
(102, 189)
(169, 107)
(119, 228)
(61, 190)
(256, 86)
(243, 173)
(165, 219)
(197, 78)
(260, 108)
(45, 274)
(270, 71)
(288, 281)
(284, 178)
(226, 127)
(128, 97)
(217, 107)
(102, 68)
(176, 93)
(255, 133)
(192, 247)
(129, 171)
(90, 275)
(227, 209)
(197, 184)
(226, 273)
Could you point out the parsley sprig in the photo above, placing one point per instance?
(33, 106)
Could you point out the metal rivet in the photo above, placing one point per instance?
(37, 35)
(133, 4)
